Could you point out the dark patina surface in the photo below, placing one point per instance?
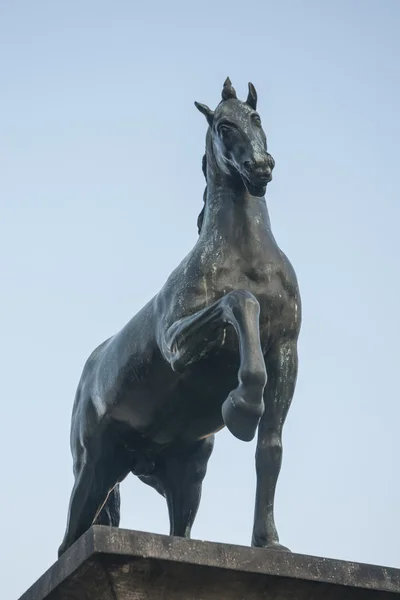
(115, 564)
(216, 346)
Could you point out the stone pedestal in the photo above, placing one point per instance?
(116, 564)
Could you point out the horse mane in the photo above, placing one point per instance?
(201, 215)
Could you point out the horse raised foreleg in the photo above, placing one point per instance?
(282, 372)
(190, 338)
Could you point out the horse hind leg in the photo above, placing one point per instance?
(87, 497)
(110, 513)
(178, 477)
(95, 477)
(182, 478)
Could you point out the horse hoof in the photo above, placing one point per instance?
(275, 546)
(241, 417)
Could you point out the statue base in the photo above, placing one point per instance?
(117, 564)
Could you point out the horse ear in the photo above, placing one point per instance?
(228, 91)
(252, 97)
(207, 112)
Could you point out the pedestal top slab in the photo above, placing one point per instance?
(117, 564)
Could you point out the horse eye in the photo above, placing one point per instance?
(256, 120)
(223, 129)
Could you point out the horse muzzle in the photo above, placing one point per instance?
(258, 173)
(256, 178)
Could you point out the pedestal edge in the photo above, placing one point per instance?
(136, 544)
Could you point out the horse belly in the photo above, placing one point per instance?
(207, 385)
(185, 405)
(142, 396)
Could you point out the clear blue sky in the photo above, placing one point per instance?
(100, 187)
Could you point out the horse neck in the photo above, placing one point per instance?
(231, 213)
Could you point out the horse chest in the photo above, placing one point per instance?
(266, 280)
(271, 282)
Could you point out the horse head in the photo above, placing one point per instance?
(237, 140)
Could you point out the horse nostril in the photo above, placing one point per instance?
(247, 165)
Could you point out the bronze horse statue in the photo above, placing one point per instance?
(216, 346)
